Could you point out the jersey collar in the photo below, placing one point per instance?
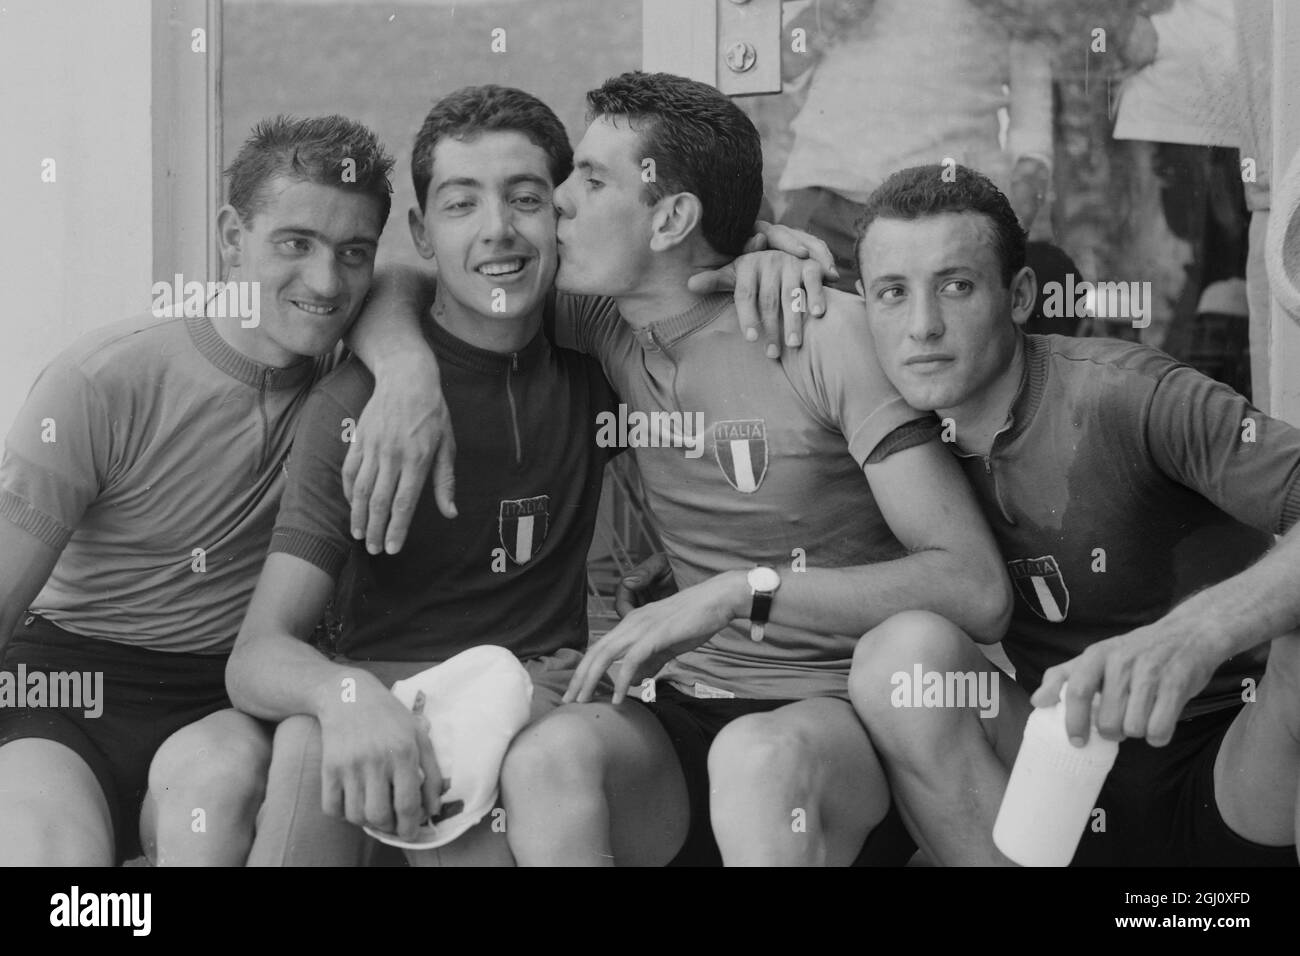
(459, 352)
(1033, 383)
(666, 333)
(238, 365)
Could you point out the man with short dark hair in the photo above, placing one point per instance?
(1133, 500)
(812, 464)
(509, 569)
(138, 489)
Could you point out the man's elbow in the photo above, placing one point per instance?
(241, 667)
(992, 602)
(982, 596)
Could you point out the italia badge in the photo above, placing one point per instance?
(521, 525)
(1040, 583)
(741, 450)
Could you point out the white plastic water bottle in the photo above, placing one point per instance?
(1052, 790)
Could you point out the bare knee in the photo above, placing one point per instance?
(1284, 660)
(553, 790)
(209, 764)
(910, 637)
(768, 793)
(563, 751)
(52, 809)
(760, 755)
(35, 833)
(898, 646)
(1281, 686)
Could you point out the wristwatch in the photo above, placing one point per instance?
(763, 582)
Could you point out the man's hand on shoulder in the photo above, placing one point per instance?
(404, 428)
(776, 281)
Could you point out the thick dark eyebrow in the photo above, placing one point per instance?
(528, 178)
(467, 181)
(284, 231)
(941, 274)
(471, 183)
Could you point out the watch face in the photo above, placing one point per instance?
(764, 579)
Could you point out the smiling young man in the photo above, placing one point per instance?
(138, 489)
(510, 569)
(1131, 498)
(813, 464)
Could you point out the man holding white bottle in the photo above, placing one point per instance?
(1133, 500)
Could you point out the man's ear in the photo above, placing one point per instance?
(230, 234)
(675, 218)
(419, 235)
(1024, 295)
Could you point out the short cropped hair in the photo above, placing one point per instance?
(701, 143)
(923, 191)
(310, 150)
(472, 110)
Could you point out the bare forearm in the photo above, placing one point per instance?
(277, 676)
(25, 566)
(1249, 608)
(854, 600)
(389, 325)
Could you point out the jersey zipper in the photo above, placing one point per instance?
(672, 360)
(988, 470)
(514, 412)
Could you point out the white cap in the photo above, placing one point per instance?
(475, 704)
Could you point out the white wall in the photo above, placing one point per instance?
(75, 253)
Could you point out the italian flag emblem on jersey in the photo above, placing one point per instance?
(522, 525)
(1041, 586)
(741, 450)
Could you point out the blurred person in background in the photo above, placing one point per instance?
(897, 84)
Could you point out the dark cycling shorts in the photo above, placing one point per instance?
(1160, 808)
(145, 697)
